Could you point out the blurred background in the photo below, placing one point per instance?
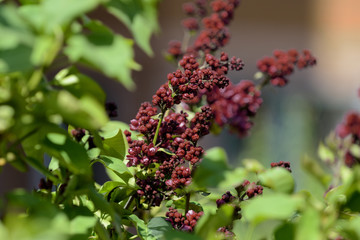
(292, 120)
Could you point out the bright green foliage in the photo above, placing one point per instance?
(139, 16)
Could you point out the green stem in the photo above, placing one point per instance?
(158, 127)
(263, 83)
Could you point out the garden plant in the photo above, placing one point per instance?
(162, 184)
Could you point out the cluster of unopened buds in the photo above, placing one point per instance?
(282, 164)
(283, 64)
(173, 150)
(185, 223)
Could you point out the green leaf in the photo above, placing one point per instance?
(141, 228)
(33, 203)
(309, 225)
(68, 152)
(350, 228)
(158, 226)
(264, 230)
(325, 153)
(50, 15)
(314, 168)
(234, 178)
(212, 168)
(274, 206)
(101, 204)
(15, 59)
(285, 232)
(16, 41)
(41, 168)
(39, 228)
(253, 165)
(82, 225)
(209, 223)
(111, 129)
(109, 186)
(112, 54)
(46, 48)
(180, 203)
(6, 117)
(140, 16)
(179, 235)
(93, 153)
(115, 146)
(115, 191)
(79, 84)
(355, 150)
(101, 231)
(83, 112)
(117, 166)
(353, 202)
(278, 179)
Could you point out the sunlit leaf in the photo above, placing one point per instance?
(70, 153)
(84, 112)
(158, 226)
(115, 146)
(209, 223)
(79, 84)
(212, 168)
(141, 228)
(278, 179)
(274, 206)
(112, 54)
(309, 225)
(140, 16)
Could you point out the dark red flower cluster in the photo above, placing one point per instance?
(181, 176)
(234, 105)
(185, 85)
(283, 64)
(45, 184)
(191, 24)
(225, 198)
(214, 33)
(144, 122)
(199, 8)
(175, 49)
(142, 153)
(350, 127)
(252, 189)
(151, 190)
(350, 160)
(175, 147)
(189, 8)
(78, 134)
(179, 222)
(282, 164)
